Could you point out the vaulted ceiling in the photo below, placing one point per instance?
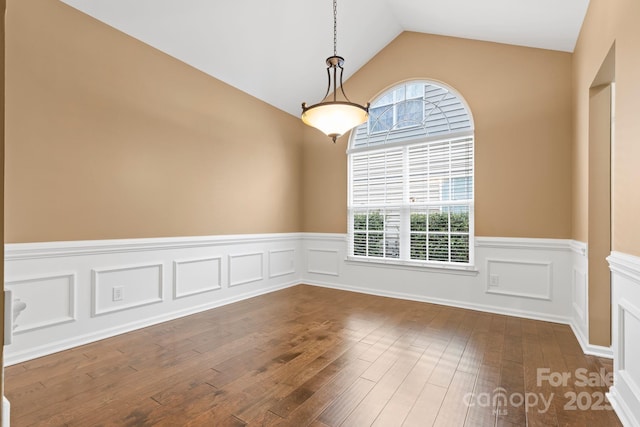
(275, 50)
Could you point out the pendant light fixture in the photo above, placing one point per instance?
(333, 117)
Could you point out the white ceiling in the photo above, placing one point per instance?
(275, 50)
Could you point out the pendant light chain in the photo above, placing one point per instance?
(334, 117)
(335, 27)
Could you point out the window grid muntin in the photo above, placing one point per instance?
(460, 190)
(447, 150)
(380, 241)
(443, 112)
(390, 103)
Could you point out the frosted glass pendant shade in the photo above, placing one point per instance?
(334, 118)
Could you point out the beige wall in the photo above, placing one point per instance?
(109, 138)
(3, 5)
(521, 102)
(599, 213)
(608, 22)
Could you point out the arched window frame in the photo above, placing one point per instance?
(404, 229)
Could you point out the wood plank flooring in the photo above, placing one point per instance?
(320, 357)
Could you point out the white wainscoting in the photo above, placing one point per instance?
(196, 276)
(518, 278)
(324, 261)
(50, 297)
(580, 301)
(625, 281)
(533, 276)
(580, 294)
(68, 287)
(282, 262)
(246, 268)
(138, 285)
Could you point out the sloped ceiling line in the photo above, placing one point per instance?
(275, 50)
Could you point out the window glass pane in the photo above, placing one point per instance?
(360, 244)
(438, 247)
(459, 248)
(359, 192)
(460, 219)
(398, 94)
(418, 221)
(376, 221)
(439, 220)
(445, 189)
(380, 119)
(418, 246)
(415, 90)
(376, 241)
(392, 246)
(360, 221)
(418, 173)
(386, 99)
(394, 172)
(461, 189)
(392, 221)
(409, 113)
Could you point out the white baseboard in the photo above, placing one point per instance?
(6, 412)
(590, 349)
(621, 408)
(450, 303)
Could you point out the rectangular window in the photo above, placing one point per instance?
(413, 203)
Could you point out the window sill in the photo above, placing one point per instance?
(466, 270)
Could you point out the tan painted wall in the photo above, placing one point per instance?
(608, 22)
(521, 102)
(3, 5)
(109, 138)
(600, 213)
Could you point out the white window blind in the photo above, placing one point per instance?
(378, 195)
(411, 199)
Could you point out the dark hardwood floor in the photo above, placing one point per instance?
(320, 357)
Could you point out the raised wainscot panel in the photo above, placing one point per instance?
(323, 261)
(629, 330)
(121, 288)
(625, 393)
(528, 279)
(579, 293)
(50, 300)
(282, 262)
(245, 268)
(196, 276)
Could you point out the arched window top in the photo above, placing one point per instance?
(413, 110)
